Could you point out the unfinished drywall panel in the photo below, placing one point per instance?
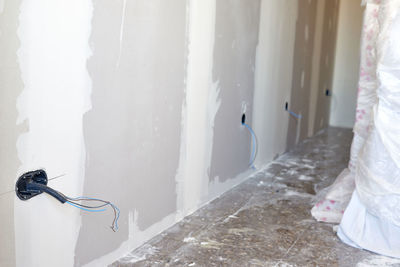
(133, 131)
(302, 69)
(54, 47)
(347, 64)
(315, 72)
(236, 38)
(10, 87)
(273, 79)
(326, 63)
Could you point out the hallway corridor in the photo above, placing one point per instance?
(265, 221)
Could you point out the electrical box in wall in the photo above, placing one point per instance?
(38, 176)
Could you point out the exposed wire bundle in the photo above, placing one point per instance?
(76, 202)
(95, 208)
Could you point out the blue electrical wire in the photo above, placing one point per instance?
(115, 207)
(93, 210)
(34, 187)
(116, 220)
(294, 114)
(254, 145)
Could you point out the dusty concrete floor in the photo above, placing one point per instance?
(265, 221)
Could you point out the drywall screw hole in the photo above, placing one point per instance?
(243, 118)
(286, 106)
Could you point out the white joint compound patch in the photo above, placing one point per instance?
(244, 106)
(1, 6)
(298, 128)
(303, 76)
(201, 95)
(54, 38)
(306, 33)
(121, 33)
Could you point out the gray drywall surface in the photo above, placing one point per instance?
(132, 133)
(10, 88)
(302, 69)
(327, 64)
(236, 39)
(273, 78)
(347, 65)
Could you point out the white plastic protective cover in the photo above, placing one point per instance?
(378, 169)
(372, 219)
(334, 199)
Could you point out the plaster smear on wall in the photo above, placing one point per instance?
(11, 87)
(202, 104)
(121, 33)
(54, 49)
(1, 6)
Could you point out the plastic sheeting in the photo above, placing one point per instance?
(378, 171)
(361, 229)
(334, 200)
(372, 219)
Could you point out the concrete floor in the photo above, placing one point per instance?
(265, 221)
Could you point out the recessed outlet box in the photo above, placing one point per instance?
(328, 92)
(38, 176)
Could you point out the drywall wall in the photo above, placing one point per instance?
(316, 66)
(327, 63)
(347, 64)
(10, 87)
(152, 118)
(302, 71)
(273, 76)
(294, 65)
(140, 103)
(236, 39)
(133, 131)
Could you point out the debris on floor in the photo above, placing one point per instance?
(265, 221)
